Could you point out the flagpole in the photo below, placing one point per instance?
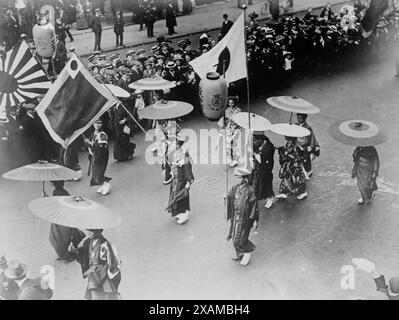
(33, 53)
(119, 102)
(224, 150)
(244, 7)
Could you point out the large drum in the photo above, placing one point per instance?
(213, 96)
(44, 38)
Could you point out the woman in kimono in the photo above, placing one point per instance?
(61, 236)
(262, 174)
(182, 179)
(232, 131)
(243, 213)
(292, 171)
(100, 265)
(81, 22)
(365, 170)
(123, 148)
(98, 157)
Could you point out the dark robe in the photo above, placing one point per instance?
(61, 236)
(366, 168)
(242, 211)
(292, 159)
(96, 263)
(181, 174)
(123, 148)
(98, 158)
(262, 174)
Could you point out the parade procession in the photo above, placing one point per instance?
(199, 150)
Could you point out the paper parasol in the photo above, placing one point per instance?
(289, 130)
(165, 110)
(359, 133)
(75, 212)
(293, 104)
(152, 84)
(258, 123)
(117, 91)
(42, 171)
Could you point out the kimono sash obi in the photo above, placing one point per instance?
(363, 162)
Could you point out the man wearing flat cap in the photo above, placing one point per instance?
(97, 29)
(243, 213)
(28, 289)
(8, 288)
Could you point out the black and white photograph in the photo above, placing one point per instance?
(233, 150)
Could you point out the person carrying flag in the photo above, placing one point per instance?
(98, 157)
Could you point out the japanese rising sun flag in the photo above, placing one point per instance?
(21, 77)
(74, 101)
(228, 55)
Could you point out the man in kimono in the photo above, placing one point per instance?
(262, 175)
(308, 143)
(98, 156)
(243, 213)
(100, 265)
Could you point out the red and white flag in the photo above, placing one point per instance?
(228, 55)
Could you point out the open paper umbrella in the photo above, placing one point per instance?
(258, 123)
(359, 133)
(75, 212)
(289, 130)
(152, 84)
(117, 91)
(165, 110)
(42, 171)
(293, 104)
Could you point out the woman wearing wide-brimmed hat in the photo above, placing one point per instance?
(243, 213)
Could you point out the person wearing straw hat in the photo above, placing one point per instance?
(182, 179)
(292, 172)
(262, 175)
(28, 289)
(243, 213)
(365, 170)
(99, 261)
(8, 288)
(98, 157)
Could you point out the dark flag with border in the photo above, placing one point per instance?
(73, 103)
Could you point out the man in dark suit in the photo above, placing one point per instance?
(170, 18)
(28, 289)
(97, 29)
(226, 25)
(150, 15)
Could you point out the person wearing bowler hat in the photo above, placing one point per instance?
(8, 288)
(243, 213)
(28, 289)
(98, 158)
(182, 179)
(100, 265)
(226, 25)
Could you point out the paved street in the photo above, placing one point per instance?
(209, 17)
(301, 246)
